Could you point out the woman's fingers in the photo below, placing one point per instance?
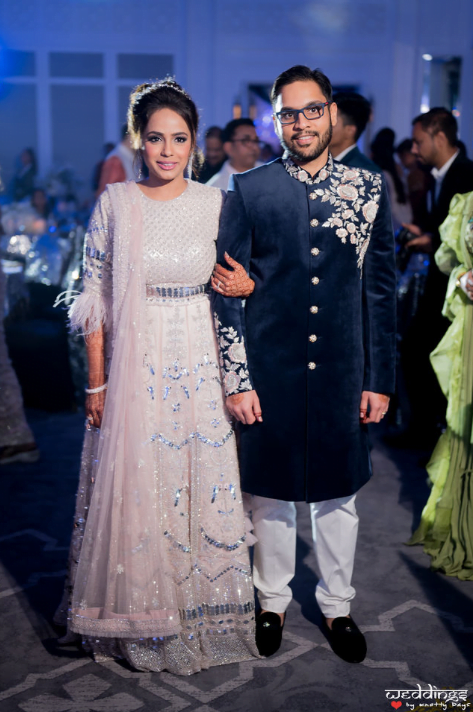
(94, 407)
(227, 288)
(217, 285)
(98, 419)
(222, 273)
(234, 283)
(221, 287)
(233, 263)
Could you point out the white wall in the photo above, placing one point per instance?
(219, 47)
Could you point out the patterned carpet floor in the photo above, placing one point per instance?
(418, 624)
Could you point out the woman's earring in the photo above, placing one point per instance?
(140, 170)
(139, 158)
(189, 168)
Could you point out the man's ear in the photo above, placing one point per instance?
(350, 130)
(440, 139)
(277, 126)
(333, 113)
(227, 147)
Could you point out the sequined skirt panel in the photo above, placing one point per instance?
(198, 498)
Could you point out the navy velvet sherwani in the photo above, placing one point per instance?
(318, 329)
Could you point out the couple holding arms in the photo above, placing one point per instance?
(159, 566)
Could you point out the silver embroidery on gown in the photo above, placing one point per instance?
(198, 496)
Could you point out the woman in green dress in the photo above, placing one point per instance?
(446, 527)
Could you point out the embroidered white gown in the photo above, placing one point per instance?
(196, 496)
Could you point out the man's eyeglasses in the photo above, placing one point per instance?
(290, 116)
(248, 142)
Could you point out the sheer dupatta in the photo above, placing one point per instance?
(121, 589)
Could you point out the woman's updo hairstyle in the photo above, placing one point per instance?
(145, 99)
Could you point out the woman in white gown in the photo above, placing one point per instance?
(159, 567)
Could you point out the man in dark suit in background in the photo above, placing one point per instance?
(434, 137)
(215, 156)
(354, 112)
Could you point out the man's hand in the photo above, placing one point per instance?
(245, 407)
(421, 243)
(376, 403)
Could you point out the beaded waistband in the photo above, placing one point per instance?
(175, 292)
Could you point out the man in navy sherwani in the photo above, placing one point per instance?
(309, 361)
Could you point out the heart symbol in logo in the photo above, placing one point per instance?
(396, 705)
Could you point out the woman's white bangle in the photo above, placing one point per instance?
(90, 391)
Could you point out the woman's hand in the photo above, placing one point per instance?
(94, 405)
(235, 283)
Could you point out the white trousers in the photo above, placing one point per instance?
(334, 532)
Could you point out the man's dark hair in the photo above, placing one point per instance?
(214, 132)
(404, 147)
(229, 130)
(355, 110)
(439, 119)
(301, 73)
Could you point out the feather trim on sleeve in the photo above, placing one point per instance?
(89, 311)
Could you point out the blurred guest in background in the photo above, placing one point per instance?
(214, 154)
(417, 180)
(462, 148)
(108, 148)
(118, 166)
(354, 112)
(382, 153)
(23, 181)
(435, 144)
(41, 203)
(446, 527)
(242, 146)
(17, 443)
(268, 154)
(434, 137)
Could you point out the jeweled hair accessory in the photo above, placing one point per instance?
(168, 82)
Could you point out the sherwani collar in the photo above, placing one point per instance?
(304, 176)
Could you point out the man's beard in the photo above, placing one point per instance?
(301, 157)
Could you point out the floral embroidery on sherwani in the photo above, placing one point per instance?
(232, 359)
(353, 193)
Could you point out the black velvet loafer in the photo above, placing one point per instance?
(268, 633)
(346, 640)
